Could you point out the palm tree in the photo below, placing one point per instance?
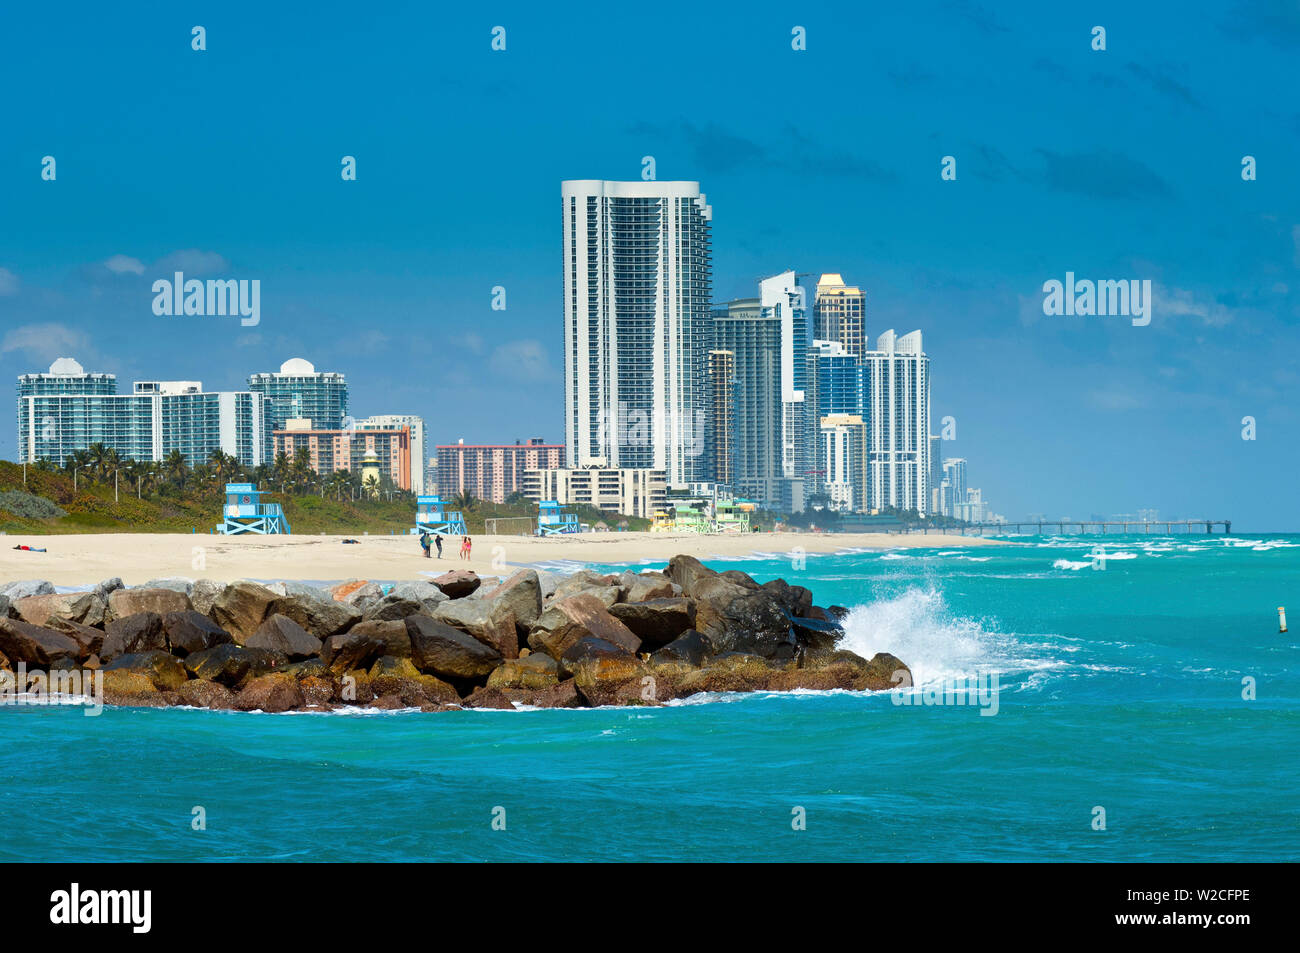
(300, 471)
(464, 501)
(175, 469)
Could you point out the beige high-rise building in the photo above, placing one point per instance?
(839, 313)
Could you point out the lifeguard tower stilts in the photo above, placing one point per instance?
(244, 512)
(551, 521)
(432, 516)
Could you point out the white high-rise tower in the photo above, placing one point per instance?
(897, 388)
(637, 325)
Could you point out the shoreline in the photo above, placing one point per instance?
(136, 558)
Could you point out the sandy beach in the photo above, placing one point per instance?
(78, 560)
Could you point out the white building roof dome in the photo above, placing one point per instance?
(67, 367)
(297, 367)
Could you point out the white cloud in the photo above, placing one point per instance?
(123, 264)
(1180, 301)
(8, 282)
(525, 359)
(44, 342)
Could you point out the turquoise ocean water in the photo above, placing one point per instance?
(1120, 688)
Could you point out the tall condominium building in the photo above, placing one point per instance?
(637, 272)
(953, 487)
(67, 410)
(839, 311)
(843, 458)
(835, 379)
(493, 471)
(722, 424)
(346, 449)
(897, 389)
(936, 475)
(299, 391)
(415, 425)
(626, 490)
(768, 337)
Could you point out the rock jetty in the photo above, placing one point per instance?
(455, 641)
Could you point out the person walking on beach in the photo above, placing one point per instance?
(424, 544)
(437, 541)
(465, 546)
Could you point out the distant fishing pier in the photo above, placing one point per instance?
(1082, 527)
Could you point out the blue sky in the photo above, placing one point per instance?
(1116, 164)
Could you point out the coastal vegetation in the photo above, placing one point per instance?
(99, 492)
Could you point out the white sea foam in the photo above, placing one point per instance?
(1071, 564)
(918, 627)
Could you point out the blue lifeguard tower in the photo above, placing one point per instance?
(244, 512)
(432, 516)
(551, 521)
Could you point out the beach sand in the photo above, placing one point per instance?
(80, 560)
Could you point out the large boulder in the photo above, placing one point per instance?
(391, 676)
(138, 632)
(795, 600)
(730, 672)
(521, 593)
(585, 648)
(203, 694)
(85, 608)
(36, 645)
(7, 609)
(90, 638)
(24, 588)
(270, 693)
(125, 602)
(815, 635)
(242, 607)
(191, 631)
(457, 583)
(582, 580)
(350, 650)
(656, 622)
(571, 618)
(162, 668)
(228, 664)
(613, 678)
(689, 648)
(204, 594)
(644, 586)
(492, 623)
(358, 593)
(408, 598)
(107, 587)
(392, 634)
(447, 651)
(536, 672)
(742, 579)
(126, 687)
(316, 610)
(735, 617)
(281, 634)
(174, 583)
